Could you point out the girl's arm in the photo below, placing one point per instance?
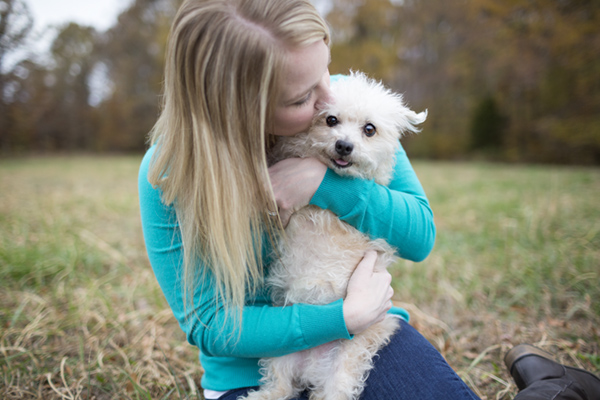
(399, 213)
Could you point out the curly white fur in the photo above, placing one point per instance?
(319, 252)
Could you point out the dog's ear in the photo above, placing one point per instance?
(406, 119)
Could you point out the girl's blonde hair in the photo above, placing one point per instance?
(222, 80)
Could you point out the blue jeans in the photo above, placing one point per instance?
(410, 368)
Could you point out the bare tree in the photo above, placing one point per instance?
(15, 24)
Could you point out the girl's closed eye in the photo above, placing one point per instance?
(304, 100)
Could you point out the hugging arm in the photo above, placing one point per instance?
(399, 213)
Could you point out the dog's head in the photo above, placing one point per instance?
(358, 133)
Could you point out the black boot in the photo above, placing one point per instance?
(539, 377)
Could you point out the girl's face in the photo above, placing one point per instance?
(305, 88)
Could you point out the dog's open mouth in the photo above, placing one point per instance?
(339, 163)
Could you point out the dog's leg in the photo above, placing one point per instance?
(354, 361)
(278, 382)
(345, 377)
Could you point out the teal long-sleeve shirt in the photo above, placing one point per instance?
(399, 213)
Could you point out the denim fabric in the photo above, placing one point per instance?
(408, 368)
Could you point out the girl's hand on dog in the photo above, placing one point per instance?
(294, 182)
(369, 295)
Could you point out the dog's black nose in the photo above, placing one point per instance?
(343, 148)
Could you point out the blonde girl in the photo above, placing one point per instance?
(238, 73)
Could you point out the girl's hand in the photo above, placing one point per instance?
(369, 295)
(294, 182)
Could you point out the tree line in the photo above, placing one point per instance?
(514, 80)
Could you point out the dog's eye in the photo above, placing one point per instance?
(370, 130)
(331, 121)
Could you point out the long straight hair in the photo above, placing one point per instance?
(222, 81)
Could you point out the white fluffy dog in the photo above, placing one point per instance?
(357, 135)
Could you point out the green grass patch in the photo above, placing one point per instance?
(512, 237)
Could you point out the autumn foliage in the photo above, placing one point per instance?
(515, 80)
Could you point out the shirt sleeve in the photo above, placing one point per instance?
(398, 213)
(266, 331)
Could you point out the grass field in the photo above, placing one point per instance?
(517, 259)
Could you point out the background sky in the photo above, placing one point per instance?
(48, 14)
(100, 13)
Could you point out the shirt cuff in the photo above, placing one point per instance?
(324, 323)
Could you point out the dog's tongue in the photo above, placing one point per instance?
(341, 162)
